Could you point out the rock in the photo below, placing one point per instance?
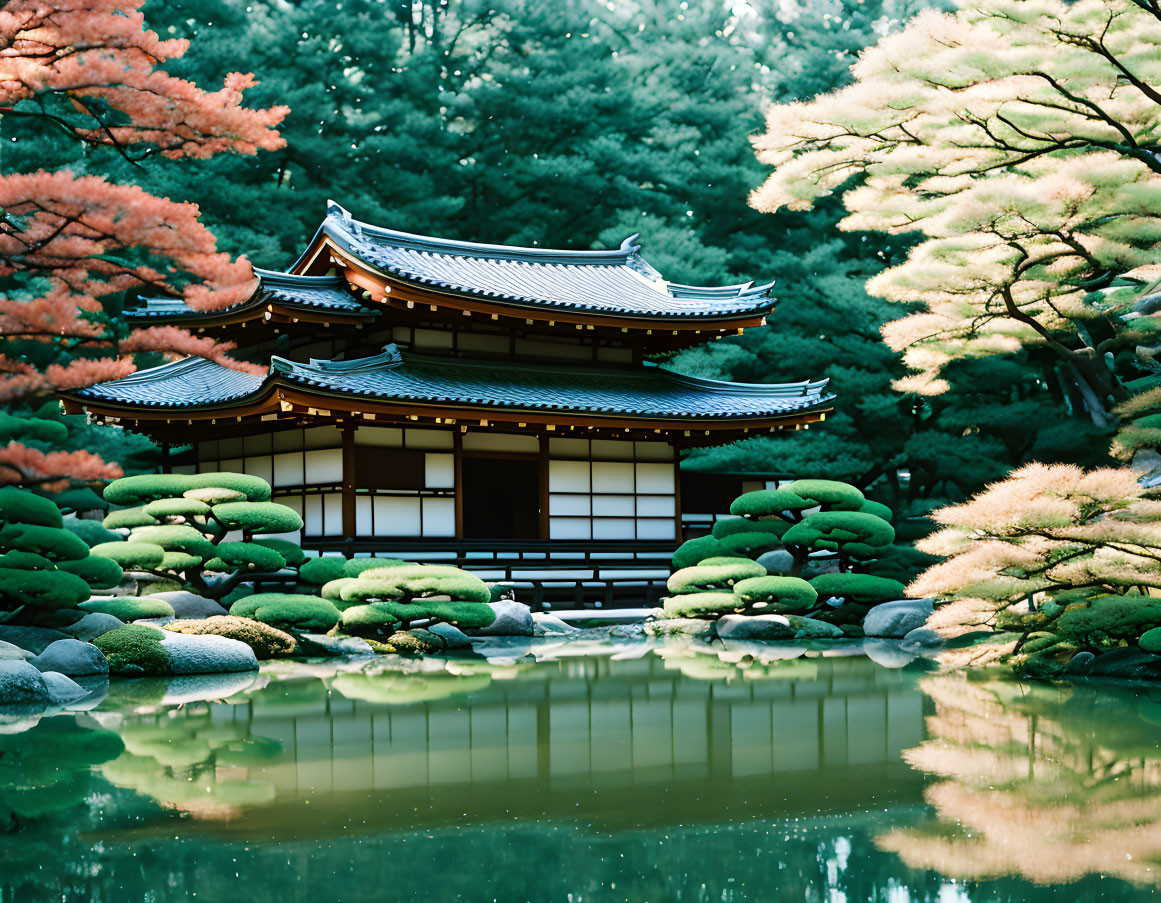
(93, 625)
(779, 561)
(72, 658)
(813, 629)
(266, 641)
(503, 650)
(206, 654)
(34, 639)
(897, 619)
(10, 652)
(888, 653)
(923, 638)
(680, 627)
(21, 685)
(338, 645)
(1126, 663)
(544, 624)
(453, 637)
(415, 642)
(512, 619)
(190, 605)
(62, 689)
(755, 627)
(1081, 663)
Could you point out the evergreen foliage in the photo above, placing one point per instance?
(381, 598)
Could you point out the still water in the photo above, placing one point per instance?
(635, 773)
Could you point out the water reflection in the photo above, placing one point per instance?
(1047, 782)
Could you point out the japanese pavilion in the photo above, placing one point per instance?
(449, 401)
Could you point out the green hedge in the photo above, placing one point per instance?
(288, 610)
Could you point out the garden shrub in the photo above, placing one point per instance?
(767, 503)
(137, 556)
(1106, 620)
(130, 608)
(828, 493)
(862, 589)
(97, 571)
(411, 592)
(692, 551)
(713, 574)
(90, 532)
(702, 605)
(846, 532)
(776, 594)
(288, 610)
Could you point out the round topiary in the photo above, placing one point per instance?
(461, 614)
(413, 581)
(136, 556)
(1150, 641)
(767, 503)
(291, 552)
(54, 543)
(96, 570)
(128, 518)
(138, 490)
(876, 508)
(750, 545)
(258, 517)
(333, 590)
(20, 507)
(356, 566)
(692, 551)
(214, 495)
(322, 570)
(728, 526)
(41, 590)
(129, 608)
(80, 498)
(828, 493)
(176, 507)
(90, 531)
(28, 561)
(702, 605)
(245, 556)
(288, 610)
(778, 594)
(862, 589)
(175, 538)
(713, 574)
(847, 532)
(252, 488)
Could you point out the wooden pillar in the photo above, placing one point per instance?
(349, 480)
(677, 495)
(544, 525)
(458, 456)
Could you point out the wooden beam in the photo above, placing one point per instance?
(349, 480)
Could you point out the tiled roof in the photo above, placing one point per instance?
(646, 392)
(319, 293)
(615, 283)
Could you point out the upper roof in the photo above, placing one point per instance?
(613, 283)
(319, 294)
(395, 376)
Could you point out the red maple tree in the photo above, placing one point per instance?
(67, 242)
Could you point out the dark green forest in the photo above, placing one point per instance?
(574, 124)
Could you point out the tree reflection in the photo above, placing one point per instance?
(1048, 783)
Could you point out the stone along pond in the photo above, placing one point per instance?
(635, 771)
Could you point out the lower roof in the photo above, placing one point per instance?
(403, 378)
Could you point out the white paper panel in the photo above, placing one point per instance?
(324, 466)
(614, 528)
(611, 476)
(294, 502)
(288, 469)
(655, 528)
(397, 516)
(655, 506)
(501, 442)
(415, 438)
(568, 448)
(570, 504)
(654, 451)
(439, 471)
(496, 344)
(613, 505)
(612, 450)
(381, 436)
(656, 477)
(233, 465)
(260, 467)
(439, 517)
(323, 437)
(569, 528)
(363, 523)
(313, 516)
(333, 514)
(568, 476)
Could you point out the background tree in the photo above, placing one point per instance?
(86, 75)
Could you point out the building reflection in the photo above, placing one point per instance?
(1045, 782)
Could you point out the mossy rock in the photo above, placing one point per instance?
(713, 574)
(415, 642)
(767, 503)
(692, 551)
(137, 556)
(828, 493)
(266, 641)
(703, 605)
(96, 570)
(258, 517)
(129, 608)
(862, 589)
(134, 649)
(776, 595)
(288, 610)
(20, 507)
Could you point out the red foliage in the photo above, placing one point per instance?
(24, 466)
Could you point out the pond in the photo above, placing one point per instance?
(635, 772)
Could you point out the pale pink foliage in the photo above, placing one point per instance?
(22, 465)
